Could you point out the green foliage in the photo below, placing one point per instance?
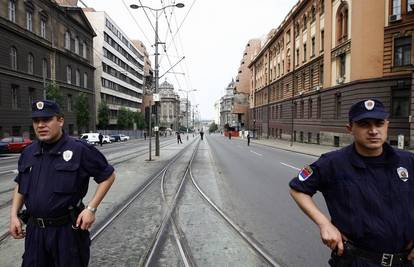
(103, 115)
(213, 127)
(140, 120)
(82, 112)
(125, 118)
(53, 93)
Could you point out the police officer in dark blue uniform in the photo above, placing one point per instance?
(368, 187)
(53, 178)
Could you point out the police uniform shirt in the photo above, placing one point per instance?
(56, 177)
(370, 200)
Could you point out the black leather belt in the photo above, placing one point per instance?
(383, 259)
(49, 222)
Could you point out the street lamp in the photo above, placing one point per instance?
(156, 71)
(186, 112)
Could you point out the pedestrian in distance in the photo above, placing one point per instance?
(229, 134)
(53, 176)
(248, 138)
(179, 138)
(368, 187)
(100, 137)
(201, 134)
(145, 135)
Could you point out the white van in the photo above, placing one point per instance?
(92, 138)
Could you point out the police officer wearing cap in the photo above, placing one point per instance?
(53, 177)
(368, 187)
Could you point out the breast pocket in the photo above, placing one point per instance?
(25, 172)
(65, 180)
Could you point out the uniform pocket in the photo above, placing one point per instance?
(65, 177)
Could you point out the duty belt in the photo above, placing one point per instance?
(49, 222)
(383, 259)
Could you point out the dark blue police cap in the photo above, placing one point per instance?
(45, 108)
(368, 109)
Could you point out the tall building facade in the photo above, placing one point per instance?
(170, 106)
(327, 55)
(226, 107)
(119, 75)
(43, 42)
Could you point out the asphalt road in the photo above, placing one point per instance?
(254, 181)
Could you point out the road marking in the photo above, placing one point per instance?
(9, 171)
(290, 166)
(256, 153)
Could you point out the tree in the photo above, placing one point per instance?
(53, 93)
(103, 115)
(140, 120)
(213, 127)
(125, 118)
(82, 112)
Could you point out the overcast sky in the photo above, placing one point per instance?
(212, 37)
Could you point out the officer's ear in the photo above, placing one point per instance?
(349, 127)
(61, 120)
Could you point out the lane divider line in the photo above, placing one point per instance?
(256, 153)
(290, 166)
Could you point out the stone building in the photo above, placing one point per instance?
(43, 42)
(327, 55)
(170, 107)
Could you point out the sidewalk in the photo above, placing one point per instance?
(303, 148)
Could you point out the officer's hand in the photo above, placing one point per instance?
(411, 255)
(332, 238)
(16, 228)
(85, 219)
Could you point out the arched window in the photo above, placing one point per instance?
(68, 74)
(76, 45)
(12, 10)
(85, 80)
(67, 40)
(77, 77)
(84, 49)
(313, 14)
(342, 24)
(305, 22)
(13, 58)
(30, 63)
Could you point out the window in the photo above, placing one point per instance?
(29, 20)
(322, 40)
(305, 22)
(302, 109)
(85, 80)
(43, 28)
(32, 97)
(304, 52)
(12, 10)
(342, 24)
(30, 63)
(321, 74)
(67, 40)
(313, 46)
(322, 6)
(44, 68)
(342, 65)
(68, 74)
(318, 108)
(76, 45)
(402, 51)
(295, 110)
(409, 3)
(400, 103)
(338, 103)
(313, 14)
(14, 96)
(84, 49)
(77, 78)
(311, 78)
(69, 103)
(396, 7)
(297, 57)
(13, 58)
(310, 108)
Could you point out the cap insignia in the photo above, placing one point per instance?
(40, 105)
(403, 174)
(369, 104)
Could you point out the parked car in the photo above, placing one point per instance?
(106, 139)
(119, 137)
(92, 138)
(14, 144)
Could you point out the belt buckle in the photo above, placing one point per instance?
(386, 259)
(40, 222)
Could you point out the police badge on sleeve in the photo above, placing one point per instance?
(305, 173)
(403, 174)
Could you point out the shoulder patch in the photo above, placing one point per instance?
(305, 173)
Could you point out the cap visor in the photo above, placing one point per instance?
(371, 115)
(42, 114)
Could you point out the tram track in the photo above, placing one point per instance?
(114, 161)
